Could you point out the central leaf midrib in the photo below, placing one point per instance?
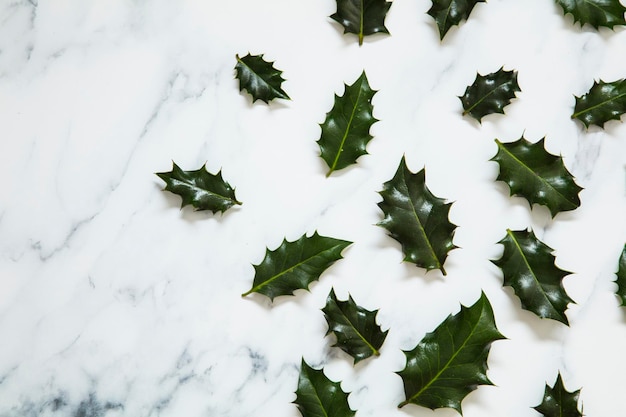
(519, 248)
(483, 98)
(373, 349)
(445, 367)
(268, 85)
(196, 187)
(319, 399)
(541, 179)
(345, 134)
(421, 227)
(598, 105)
(293, 267)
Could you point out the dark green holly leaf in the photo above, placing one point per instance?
(318, 396)
(528, 267)
(294, 265)
(355, 327)
(417, 219)
(259, 78)
(538, 176)
(451, 361)
(448, 13)
(345, 133)
(202, 190)
(597, 13)
(362, 17)
(621, 277)
(490, 93)
(558, 402)
(603, 102)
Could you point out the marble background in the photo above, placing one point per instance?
(114, 302)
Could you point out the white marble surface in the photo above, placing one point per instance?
(114, 302)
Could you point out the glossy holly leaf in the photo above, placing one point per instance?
(490, 93)
(345, 132)
(362, 17)
(528, 267)
(417, 219)
(294, 265)
(448, 13)
(621, 278)
(204, 191)
(355, 327)
(318, 396)
(538, 176)
(259, 78)
(558, 402)
(451, 361)
(603, 102)
(608, 13)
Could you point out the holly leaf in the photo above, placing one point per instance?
(621, 278)
(558, 402)
(318, 396)
(538, 176)
(294, 265)
(259, 78)
(603, 102)
(355, 327)
(362, 17)
(201, 189)
(448, 13)
(490, 93)
(608, 13)
(451, 361)
(345, 132)
(417, 219)
(528, 267)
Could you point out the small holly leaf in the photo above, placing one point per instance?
(294, 265)
(621, 278)
(528, 267)
(490, 93)
(597, 13)
(558, 402)
(204, 191)
(538, 176)
(355, 327)
(259, 78)
(318, 396)
(448, 13)
(451, 361)
(417, 219)
(345, 132)
(603, 102)
(362, 17)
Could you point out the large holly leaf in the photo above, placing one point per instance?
(362, 17)
(448, 13)
(621, 277)
(490, 93)
(451, 361)
(294, 265)
(540, 177)
(597, 13)
(528, 267)
(417, 219)
(318, 396)
(202, 190)
(558, 402)
(355, 327)
(345, 132)
(259, 78)
(603, 102)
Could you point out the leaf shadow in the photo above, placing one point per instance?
(543, 329)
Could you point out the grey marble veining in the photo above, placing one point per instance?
(114, 302)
